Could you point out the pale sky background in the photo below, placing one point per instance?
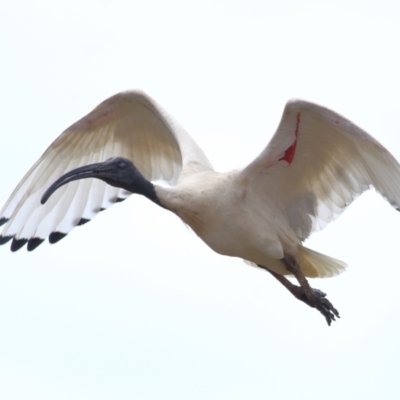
(133, 305)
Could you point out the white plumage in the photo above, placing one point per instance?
(316, 164)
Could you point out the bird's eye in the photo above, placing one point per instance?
(122, 164)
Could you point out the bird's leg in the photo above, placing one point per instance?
(316, 298)
(296, 291)
(313, 297)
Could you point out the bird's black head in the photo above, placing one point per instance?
(117, 171)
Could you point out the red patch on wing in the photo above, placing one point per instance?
(289, 152)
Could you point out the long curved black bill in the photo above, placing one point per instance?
(88, 171)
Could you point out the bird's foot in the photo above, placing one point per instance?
(313, 297)
(323, 305)
(317, 299)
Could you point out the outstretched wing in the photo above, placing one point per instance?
(130, 125)
(317, 163)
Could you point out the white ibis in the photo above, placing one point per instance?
(315, 165)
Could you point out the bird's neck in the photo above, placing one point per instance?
(145, 188)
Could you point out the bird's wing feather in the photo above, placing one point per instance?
(317, 163)
(130, 125)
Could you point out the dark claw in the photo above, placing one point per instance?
(312, 297)
(324, 306)
(318, 292)
(319, 301)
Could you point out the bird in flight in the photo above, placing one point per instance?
(315, 165)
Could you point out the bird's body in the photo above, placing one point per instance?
(222, 211)
(316, 164)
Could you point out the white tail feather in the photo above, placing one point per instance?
(317, 265)
(312, 264)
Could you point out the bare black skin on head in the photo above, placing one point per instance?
(117, 171)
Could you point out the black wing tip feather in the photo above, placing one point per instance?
(33, 243)
(55, 237)
(3, 220)
(5, 239)
(16, 244)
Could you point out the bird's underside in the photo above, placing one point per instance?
(315, 165)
